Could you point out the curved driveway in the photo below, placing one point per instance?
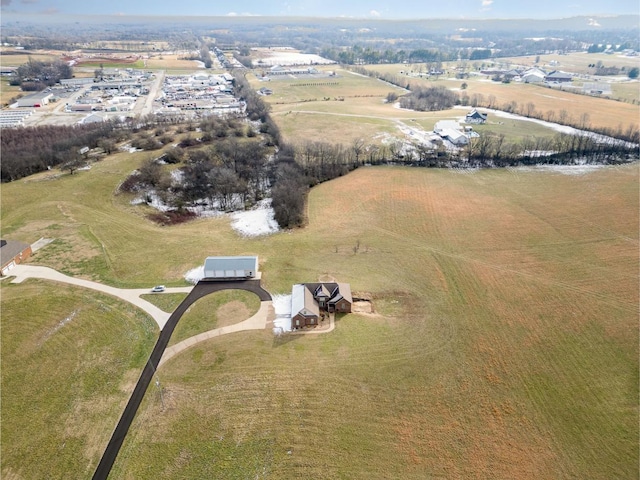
(201, 289)
(22, 272)
(166, 322)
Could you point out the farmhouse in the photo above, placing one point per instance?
(310, 300)
(12, 253)
(474, 116)
(230, 268)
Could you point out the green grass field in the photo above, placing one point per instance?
(354, 107)
(70, 360)
(505, 343)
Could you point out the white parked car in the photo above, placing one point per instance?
(158, 289)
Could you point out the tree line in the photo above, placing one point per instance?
(30, 150)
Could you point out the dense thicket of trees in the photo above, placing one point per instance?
(430, 99)
(36, 75)
(30, 150)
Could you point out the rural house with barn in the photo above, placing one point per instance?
(310, 302)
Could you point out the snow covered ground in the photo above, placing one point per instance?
(282, 307)
(256, 222)
(194, 275)
(563, 169)
(248, 223)
(287, 58)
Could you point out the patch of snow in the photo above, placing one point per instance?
(564, 169)
(177, 175)
(194, 275)
(282, 308)
(59, 325)
(294, 58)
(255, 222)
(157, 203)
(199, 63)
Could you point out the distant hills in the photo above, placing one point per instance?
(435, 25)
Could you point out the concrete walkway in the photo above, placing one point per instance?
(23, 272)
(257, 322)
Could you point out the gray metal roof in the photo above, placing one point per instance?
(302, 301)
(230, 267)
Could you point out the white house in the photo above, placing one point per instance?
(474, 116)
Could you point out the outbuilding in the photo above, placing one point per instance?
(35, 99)
(230, 268)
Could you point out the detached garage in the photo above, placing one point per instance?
(230, 268)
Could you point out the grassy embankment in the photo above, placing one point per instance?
(505, 344)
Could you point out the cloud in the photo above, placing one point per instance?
(5, 3)
(374, 13)
(232, 14)
(487, 3)
(28, 2)
(50, 11)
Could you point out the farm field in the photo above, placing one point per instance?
(302, 109)
(601, 112)
(575, 62)
(504, 344)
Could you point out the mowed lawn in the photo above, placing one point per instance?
(505, 344)
(70, 360)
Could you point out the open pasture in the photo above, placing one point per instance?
(70, 360)
(504, 344)
(15, 60)
(171, 62)
(291, 90)
(601, 112)
(575, 62)
(8, 92)
(316, 112)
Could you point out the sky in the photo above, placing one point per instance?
(389, 9)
